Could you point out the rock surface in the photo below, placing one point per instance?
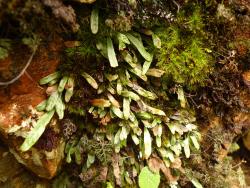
(17, 102)
(16, 176)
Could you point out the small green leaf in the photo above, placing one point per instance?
(186, 147)
(102, 114)
(111, 89)
(60, 107)
(128, 58)
(156, 41)
(142, 91)
(113, 101)
(94, 20)
(37, 131)
(90, 160)
(127, 178)
(157, 130)
(117, 137)
(148, 179)
(123, 40)
(144, 115)
(132, 117)
(169, 154)
(102, 46)
(196, 183)
(53, 82)
(195, 142)
(91, 109)
(90, 80)
(121, 45)
(176, 148)
(155, 73)
(119, 87)
(109, 185)
(49, 78)
(111, 77)
(126, 108)
(158, 141)
(111, 53)
(51, 102)
(124, 133)
(147, 143)
(101, 89)
(62, 83)
(153, 110)
(41, 106)
(78, 158)
(181, 97)
(135, 139)
(71, 151)
(147, 124)
(122, 77)
(130, 94)
(146, 66)
(117, 112)
(69, 90)
(138, 72)
(139, 45)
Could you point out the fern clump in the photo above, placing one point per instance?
(183, 54)
(126, 117)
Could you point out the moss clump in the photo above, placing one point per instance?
(183, 54)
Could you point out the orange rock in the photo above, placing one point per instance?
(246, 78)
(17, 110)
(17, 176)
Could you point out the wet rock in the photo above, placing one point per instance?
(242, 119)
(246, 140)
(246, 78)
(17, 112)
(16, 176)
(66, 13)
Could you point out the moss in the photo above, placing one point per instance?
(5, 46)
(183, 54)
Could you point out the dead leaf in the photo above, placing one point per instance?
(102, 177)
(72, 44)
(167, 173)
(100, 103)
(105, 120)
(51, 90)
(176, 164)
(88, 175)
(116, 169)
(154, 164)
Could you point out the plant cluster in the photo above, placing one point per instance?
(127, 109)
(53, 104)
(126, 121)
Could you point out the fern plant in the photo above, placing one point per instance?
(57, 85)
(125, 106)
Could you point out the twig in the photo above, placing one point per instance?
(242, 161)
(178, 6)
(22, 72)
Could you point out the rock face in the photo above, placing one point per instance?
(16, 176)
(17, 112)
